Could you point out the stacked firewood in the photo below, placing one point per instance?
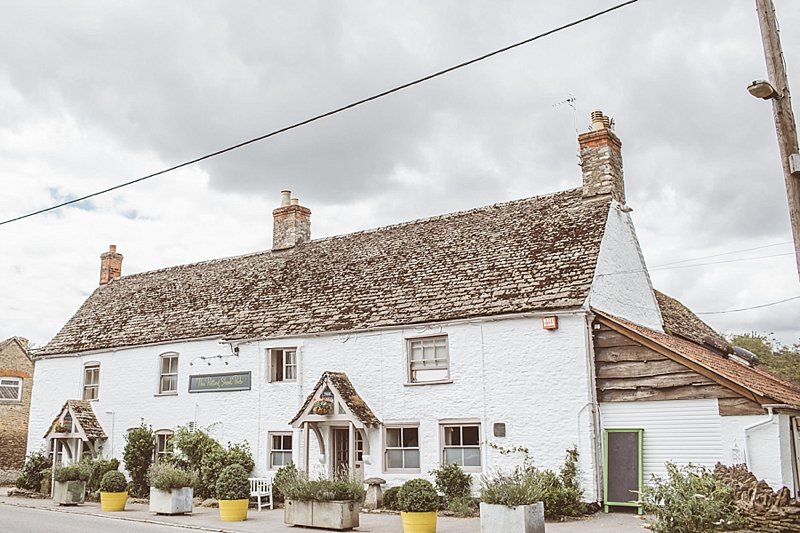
(763, 509)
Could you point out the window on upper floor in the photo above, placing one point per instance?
(280, 449)
(428, 360)
(168, 373)
(283, 364)
(91, 381)
(401, 451)
(11, 389)
(461, 445)
(163, 443)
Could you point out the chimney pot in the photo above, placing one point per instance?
(291, 223)
(601, 160)
(110, 265)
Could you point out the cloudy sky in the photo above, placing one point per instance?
(96, 93)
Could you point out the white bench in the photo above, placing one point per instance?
(261, 487)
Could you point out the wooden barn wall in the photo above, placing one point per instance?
(627, 371)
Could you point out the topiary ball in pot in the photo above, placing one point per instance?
(233, 493)
(418, 503)
(113, 494)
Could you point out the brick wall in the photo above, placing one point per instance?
(14, 414)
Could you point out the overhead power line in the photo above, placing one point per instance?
(749, 308)
(721, 254)
(327, 114)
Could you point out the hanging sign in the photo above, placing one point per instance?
(229, 381)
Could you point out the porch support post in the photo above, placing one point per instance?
(306, 442)
(351, 460)
(80, 450)
(53, 468)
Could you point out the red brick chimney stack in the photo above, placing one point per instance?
(601, 160)
(110, 265)
(291, 223)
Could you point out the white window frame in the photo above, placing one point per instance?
(95, 367)
(162, 374)
(281, 366)
(443, 447)
(162, 436)
(9, 382)
(424, 364)
(387, 448)
(282, 450)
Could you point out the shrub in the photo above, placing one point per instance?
(217, 459)
(47, 475)
(417, 496)
(113, 481)
(165, 476)
(97, 468)
(463, 507)
(232, 483)
(71, 473)
(453, 482)
(284, 475)
(689, 500)
(300, 488)
(189, 447)
(138, 456)
(32, 471)
(390, 498)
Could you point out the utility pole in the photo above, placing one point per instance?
(777, 90)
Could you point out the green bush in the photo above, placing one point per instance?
(464, 506)
(689, 500)
(71, 473)
(390, 498)
(300, 488)
(453, 482)
(138, 456)
(97, 468)
(113, 481)
(47, 475)
(526, 484)
(284, 475)
(32, 471)
(218, 458)
(189, 449)
(164, 476)
(232, 483)
(417, 496)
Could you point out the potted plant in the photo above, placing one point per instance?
(418, 503)
(70, 486)
(512, 502)
(323, 503)
(233, 493)
(113, 491)
(322, 407)
(170, 489)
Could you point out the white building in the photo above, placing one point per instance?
(531, 324)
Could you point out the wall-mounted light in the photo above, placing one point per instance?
(762, 89)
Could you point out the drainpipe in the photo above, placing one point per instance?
(770, 411)
(597, 453)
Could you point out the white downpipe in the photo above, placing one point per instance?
(750, 428)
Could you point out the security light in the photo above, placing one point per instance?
(762, 89)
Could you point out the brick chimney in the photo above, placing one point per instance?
(292, 223)
(110, 265)
(601, 160)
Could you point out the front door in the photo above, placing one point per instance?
(341, 452)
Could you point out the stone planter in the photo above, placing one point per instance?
(328, 515)
(519, 519)
(174, 501)
(69, 492)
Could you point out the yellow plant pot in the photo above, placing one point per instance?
(419, 522)
(233, 510)
(113, 501)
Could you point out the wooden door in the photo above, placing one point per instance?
(623, 467)
(341, 452)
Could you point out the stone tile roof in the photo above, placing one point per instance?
(347, 391)
(83, 413)
(769, 387)
(536, 253)
(680, 321)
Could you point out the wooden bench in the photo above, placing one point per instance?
(261, 487)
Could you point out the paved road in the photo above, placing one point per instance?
(20, 515)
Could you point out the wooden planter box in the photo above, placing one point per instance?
(69, 492)
(175, 501)
(519, 519)
(329, 515)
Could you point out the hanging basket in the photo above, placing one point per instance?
(322, 407)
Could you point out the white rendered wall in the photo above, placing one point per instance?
(679, 431)
(511, 371)
(621, 284)
(759, 447)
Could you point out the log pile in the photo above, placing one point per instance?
(763, 510)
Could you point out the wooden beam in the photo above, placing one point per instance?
(637, 369)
